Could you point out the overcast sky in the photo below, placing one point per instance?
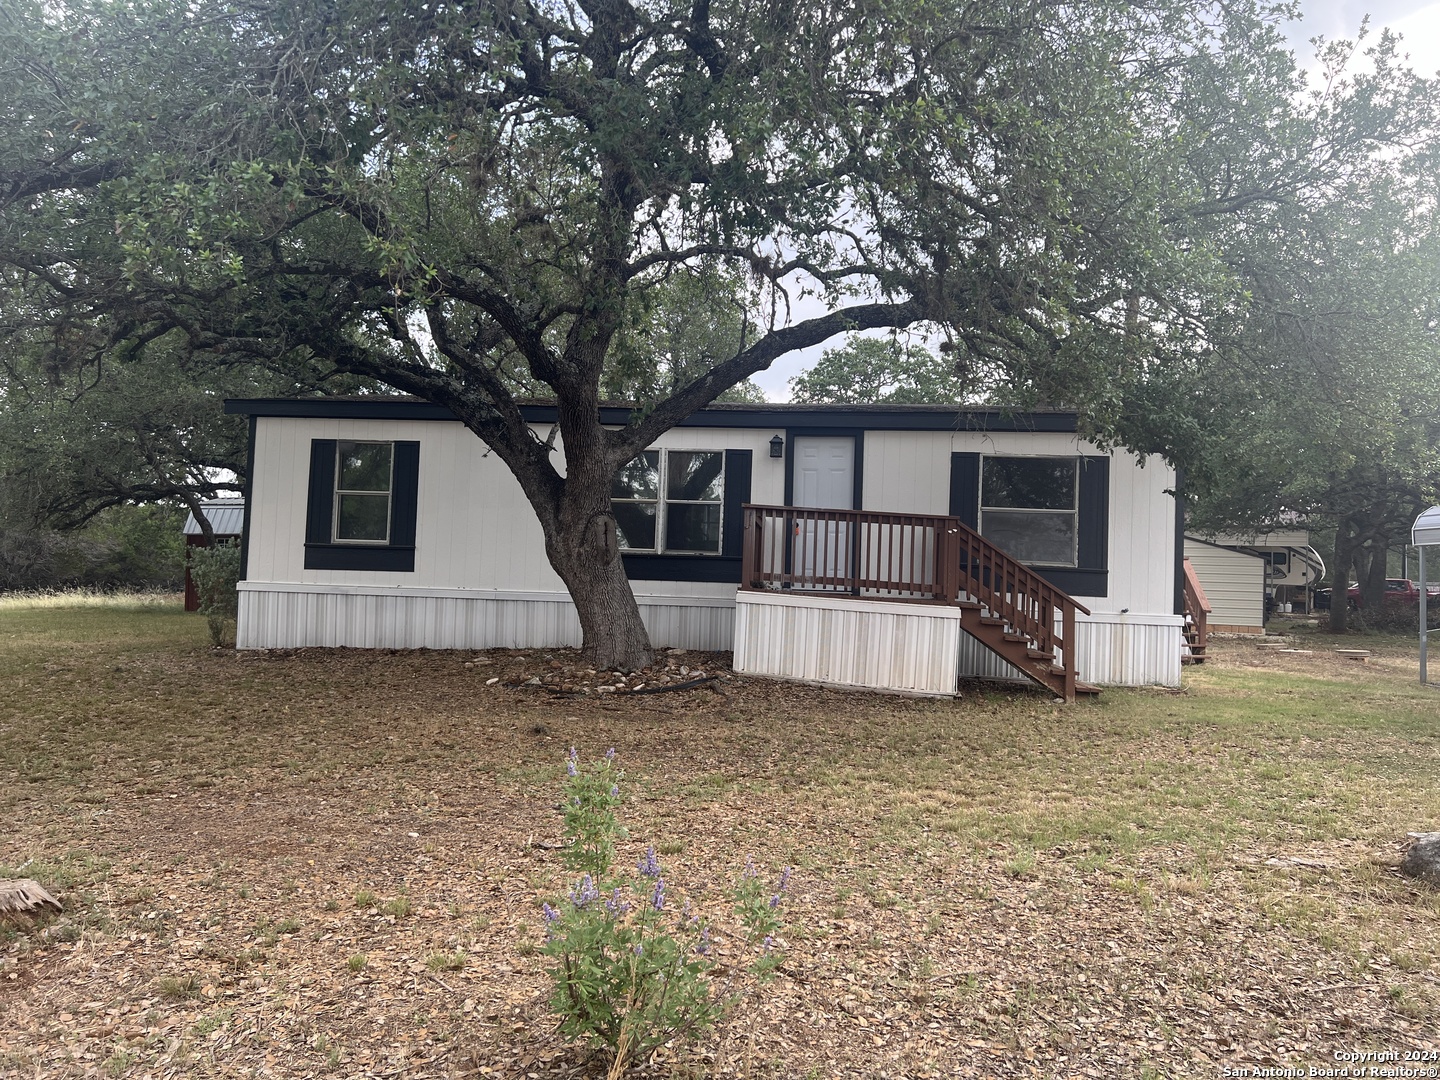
(1417, 22)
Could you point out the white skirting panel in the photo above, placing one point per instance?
(1114, 650)
(838, 641)
(1130, 650)
(284, 616)
(913, 648)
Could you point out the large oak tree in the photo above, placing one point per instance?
(453, 199)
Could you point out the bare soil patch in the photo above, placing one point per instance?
(263, 856)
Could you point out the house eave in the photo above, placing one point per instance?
(778, 415)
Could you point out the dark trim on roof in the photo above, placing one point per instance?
(794, 417)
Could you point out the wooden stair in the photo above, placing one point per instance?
(1197, 617)
(1018, 650)
(1014, 612)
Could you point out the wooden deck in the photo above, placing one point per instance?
(920, 559)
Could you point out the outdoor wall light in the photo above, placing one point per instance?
(777, 446)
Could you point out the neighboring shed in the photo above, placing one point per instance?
(1293, 567)
(227, 519)
(1234, 582)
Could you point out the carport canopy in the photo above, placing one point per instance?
(1426, 529)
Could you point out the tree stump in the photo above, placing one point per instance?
(24, 896)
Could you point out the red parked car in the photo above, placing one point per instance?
(1398, 591)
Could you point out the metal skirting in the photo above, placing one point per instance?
(880, 645)
(1111, 650)
(295, 616)
(909, 648)
(1130, 650)
(921, 649)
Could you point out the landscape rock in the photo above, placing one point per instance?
(1423, 859)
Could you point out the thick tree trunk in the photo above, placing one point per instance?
(583, 547)
(581, 542)
(1372, 581)
(1340, 580)
(615, 639)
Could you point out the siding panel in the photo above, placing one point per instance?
(843, 642)
(1234, 583)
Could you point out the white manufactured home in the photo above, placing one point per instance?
(894, 547)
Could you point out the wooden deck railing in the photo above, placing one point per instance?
(1197, 610)
(909, 557)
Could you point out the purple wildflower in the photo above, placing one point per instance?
(551, 915)
(658, 900)
(649, 865)
(616, 905)
(639, 949)
(784, 880)
(769, 943)
(749, 871)
(570, 768)
(610, 754)
(703, 945)
(614, 791)
(585, 893)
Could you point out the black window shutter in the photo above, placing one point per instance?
(404, 494)
(320, 510)
(322, 553)
(965, 488)
(1094, 524)
(737, 494)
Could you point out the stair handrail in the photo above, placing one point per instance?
(1026, 602)
(1197, 606)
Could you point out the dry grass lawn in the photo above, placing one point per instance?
(331, 863)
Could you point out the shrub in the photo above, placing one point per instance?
(632, 967)
(216, 572)
(1402, 618)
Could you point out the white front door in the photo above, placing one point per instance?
(825, 471)
(824, 477)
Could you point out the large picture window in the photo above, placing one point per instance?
(1030, 507)
(363, 476)
(670, 501)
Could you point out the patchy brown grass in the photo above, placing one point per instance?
(331, 863)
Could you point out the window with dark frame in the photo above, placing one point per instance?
(1030, 507)
(670, 502)
(364, 474)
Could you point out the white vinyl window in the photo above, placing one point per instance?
(1029, 506)
(670, 501)
(364, 473)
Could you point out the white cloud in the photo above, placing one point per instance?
(1417, 23)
